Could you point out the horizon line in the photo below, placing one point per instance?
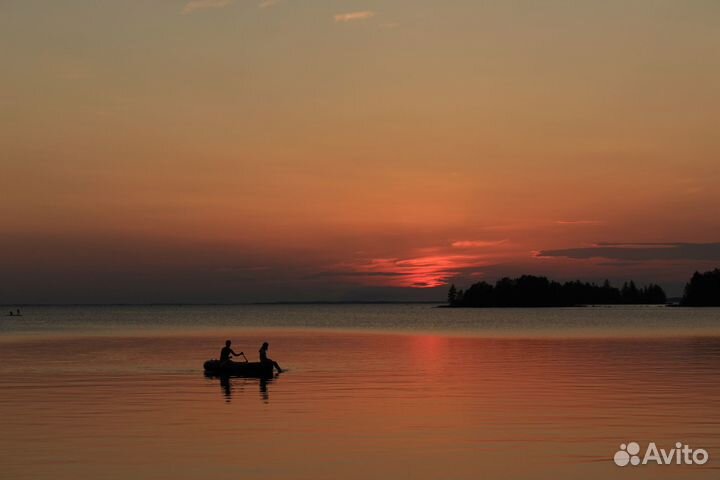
(229, 304)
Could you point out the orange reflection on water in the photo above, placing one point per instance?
(353, 406)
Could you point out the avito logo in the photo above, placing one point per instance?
(680, 455)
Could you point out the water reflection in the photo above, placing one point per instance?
(230, 385)
(398, 406)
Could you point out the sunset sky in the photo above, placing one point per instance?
(262, 150)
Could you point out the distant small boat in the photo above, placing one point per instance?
(239, 369)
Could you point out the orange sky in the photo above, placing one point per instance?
(238, 150)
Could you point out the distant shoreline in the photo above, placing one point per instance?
(233, 304)
(438, 304)
(587, 305)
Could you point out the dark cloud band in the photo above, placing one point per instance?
(641, 251)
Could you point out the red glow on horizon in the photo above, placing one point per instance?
(419, 272)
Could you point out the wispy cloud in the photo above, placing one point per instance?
(194, 5)
(477, 243)
(415, 272)
(640, 251)
(353, 16)
(268, 3)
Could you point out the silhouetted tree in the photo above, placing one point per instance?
(479, 294)
(609, 294)
(652, 294)
(533, 291)
(703, 290)
(452, 295)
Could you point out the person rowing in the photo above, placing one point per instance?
(227, 353)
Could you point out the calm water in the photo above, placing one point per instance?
(390, 391)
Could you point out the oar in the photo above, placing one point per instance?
(243, 354)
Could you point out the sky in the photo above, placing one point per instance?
(204, 151)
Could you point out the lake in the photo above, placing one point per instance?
(370, 391)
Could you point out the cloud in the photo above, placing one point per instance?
(267, 3)
(194, 5)
(353, 16)
(349, 273)
(476, 243)
(417, 272)
(620, 263)
(640, 251)
(639, 245)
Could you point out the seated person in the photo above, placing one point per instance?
(264, 358)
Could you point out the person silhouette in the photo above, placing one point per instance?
(264, 358)
(227, 353)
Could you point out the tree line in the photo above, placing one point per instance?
(533, 291)
(703, 290)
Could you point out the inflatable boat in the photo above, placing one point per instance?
(239, 369)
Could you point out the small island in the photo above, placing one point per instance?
(534, 291)
(703, 289)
